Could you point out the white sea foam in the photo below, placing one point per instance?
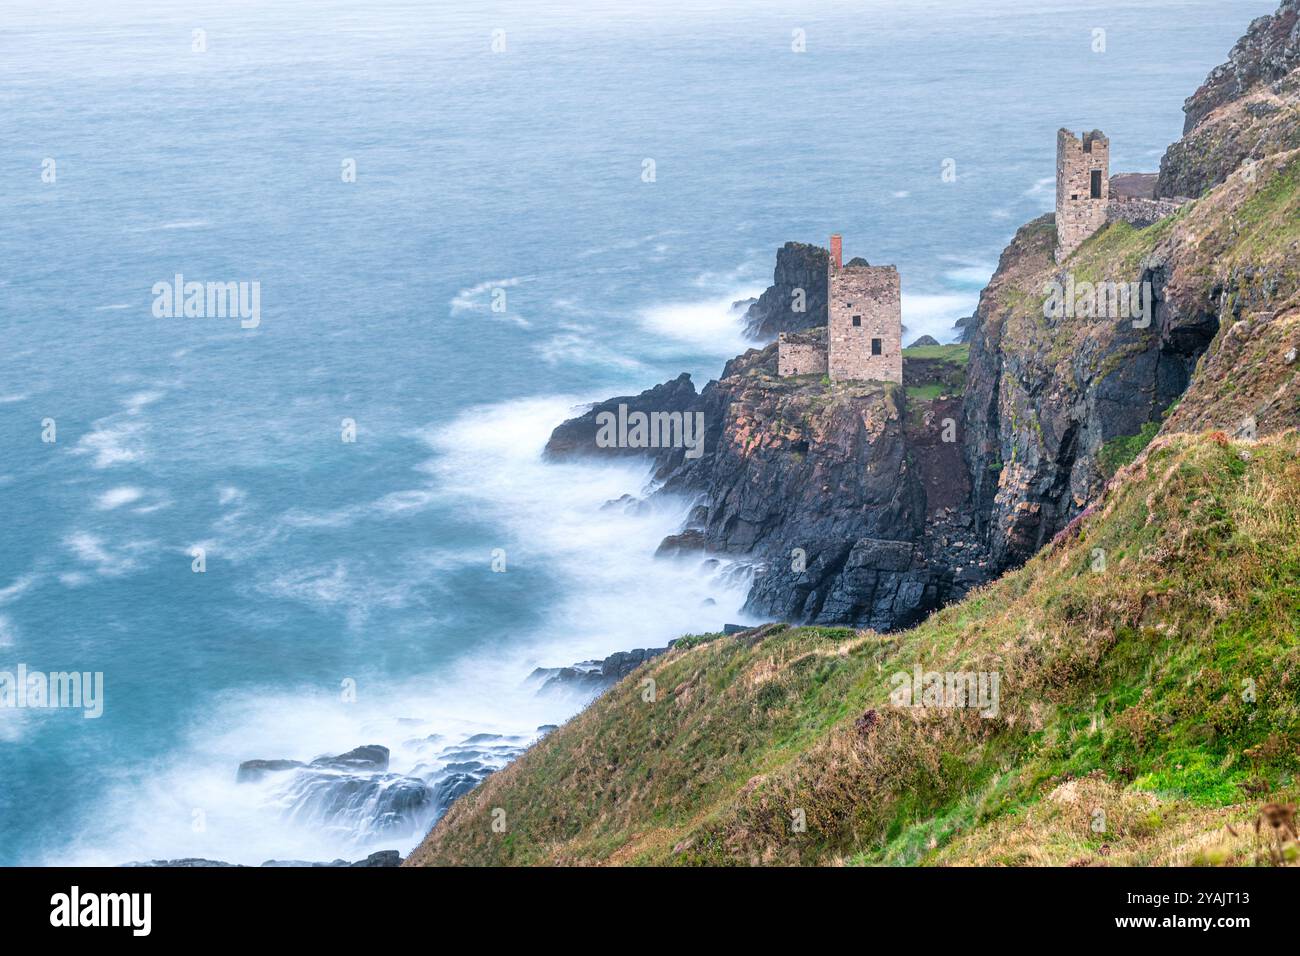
(113, 442)
(117, 497)
(936, 314)
(106, 560)
(478, 299)
(710, 326)
(138, 400)
(1043, 187)
(971, 274)
(230, 495)
(613, 595)
(21, 586)
(580, 349)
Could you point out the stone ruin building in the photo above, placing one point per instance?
(1088, 197)
(863, 339)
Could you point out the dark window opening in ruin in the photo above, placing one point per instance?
(1096, 184)
(857, 320)
(1074, 195)
(875, 347)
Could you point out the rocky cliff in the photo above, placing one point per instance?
(847, 501)
(1247, 108)
(796, 299)
(1046, 396)
(1269, 51)
(849, 476)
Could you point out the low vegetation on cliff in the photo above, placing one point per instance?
(1148, 701)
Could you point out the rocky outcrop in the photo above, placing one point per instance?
(381, 858)
(1267, 53)
(1045, 394)
(1264, 122)
(593, 677)
(577, 436)
(799, 279)
(844, 500)
(812, 483)
(1248, 108)
(357, 791)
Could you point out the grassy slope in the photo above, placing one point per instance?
(1124, 735)
(1122, 690)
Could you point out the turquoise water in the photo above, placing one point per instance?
(369, 563)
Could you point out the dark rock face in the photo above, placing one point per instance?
(1268, 52)
(692, 539)
(846, 502)
(593, 677)
(966, 328)
(356, 791)
(189, 862)
(820, 488)
(1043, 395)
(577, 436)
(253, 770)
(382, 858)
(799, 266)
(370, 757)
(1247, 108)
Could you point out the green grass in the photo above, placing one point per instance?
(957, 353)
(1118, 452)
(1123, 689)
(925, 393)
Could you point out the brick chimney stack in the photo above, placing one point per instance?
(837, 253)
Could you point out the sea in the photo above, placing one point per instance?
(325, 522)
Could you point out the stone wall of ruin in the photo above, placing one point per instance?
(800, 354)
(872, 294)
(1078, 215)
(1140, 212)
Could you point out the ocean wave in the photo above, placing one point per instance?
(113, 443)
(476, 298)
(936, 314)
(579, 349)
(107, 560)
(710, 326)
(21, 586)
(117, 497)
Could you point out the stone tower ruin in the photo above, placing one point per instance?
(1082, 188)
(864, 321)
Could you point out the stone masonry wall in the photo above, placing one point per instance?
(1078, 215)
(1141, 212)
(872, 295)
(798, 354)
